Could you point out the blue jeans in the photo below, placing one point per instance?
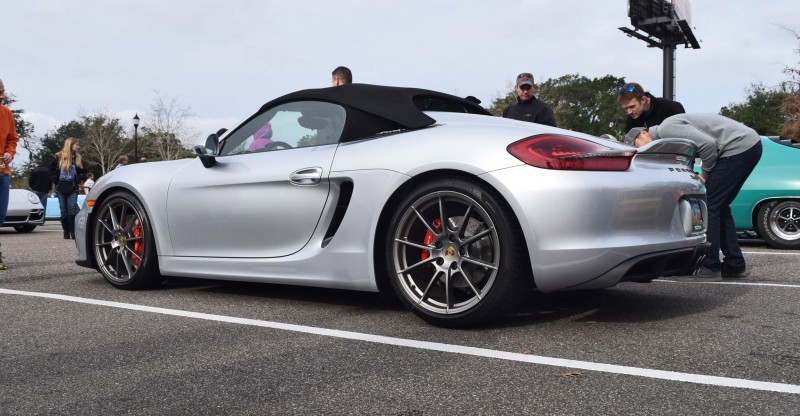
(68, 204)
(42, 198)
(722, 186)
(5, 183)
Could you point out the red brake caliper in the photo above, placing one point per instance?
(428, 240)
(138, 245)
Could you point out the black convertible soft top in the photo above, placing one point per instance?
(401, 107)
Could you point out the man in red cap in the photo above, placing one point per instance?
(528, 107)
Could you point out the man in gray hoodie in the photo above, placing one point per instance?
(729, 150)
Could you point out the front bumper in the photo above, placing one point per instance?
(24, 217)
(81, 237)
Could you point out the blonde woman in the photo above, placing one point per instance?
(66, 172)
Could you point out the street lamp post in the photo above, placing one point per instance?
(136, 138)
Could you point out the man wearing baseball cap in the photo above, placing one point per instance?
(528, 107)
(730, 151)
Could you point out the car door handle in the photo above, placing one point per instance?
(306, 176)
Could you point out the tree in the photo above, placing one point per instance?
(791, 103)
(585, 105)
(791, 106)
(24, 128)
(102, 142)
(153, 146)
(503, 100)
(579, 103)
(166, 128)
(761, 110)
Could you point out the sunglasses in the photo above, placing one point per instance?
(524, 75)
(630, 88)
(525, 87)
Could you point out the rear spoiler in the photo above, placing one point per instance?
(682, 150)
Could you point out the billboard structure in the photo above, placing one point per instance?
(663, 24)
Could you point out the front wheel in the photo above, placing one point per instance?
(779, 223)
(24, 228)
(454, 254)
(123, 242)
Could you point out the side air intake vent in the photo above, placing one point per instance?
(345, 192)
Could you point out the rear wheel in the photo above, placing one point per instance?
(24, 228)
(779, 223)
(124, 246)
(454, 256)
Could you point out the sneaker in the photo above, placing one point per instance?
(705, 272)
(2, 263)
(736, 275)
(702, 275)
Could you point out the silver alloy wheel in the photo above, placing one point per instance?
(119, 240)
(784, 220)
(450, 268)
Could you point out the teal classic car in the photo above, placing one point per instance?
(769, 202)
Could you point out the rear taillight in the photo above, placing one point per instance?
(554, 151)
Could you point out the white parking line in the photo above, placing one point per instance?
(782, 253)
(435, 346)
(666, 280)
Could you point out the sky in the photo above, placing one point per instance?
(224, 59)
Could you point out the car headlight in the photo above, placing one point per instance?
(33, 198)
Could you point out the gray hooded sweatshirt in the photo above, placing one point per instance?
(716, 136)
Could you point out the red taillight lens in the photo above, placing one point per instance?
(554, 151)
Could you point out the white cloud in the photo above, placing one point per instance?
(42, 123)
(204, 127)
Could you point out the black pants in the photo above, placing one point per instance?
(722, 186)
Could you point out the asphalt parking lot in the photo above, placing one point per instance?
(72, 344)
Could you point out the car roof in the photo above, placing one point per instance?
(401, 106)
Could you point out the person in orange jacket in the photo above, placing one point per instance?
(8, 145)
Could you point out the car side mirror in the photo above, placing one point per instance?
(207, 153)
(212, 144)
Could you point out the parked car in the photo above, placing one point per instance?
(769, 202)
(53, 211)
(407, 192)
(25, 212)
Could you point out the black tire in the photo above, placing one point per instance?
(472, 269)
(24, 228)
(778, 223)
(123, 243)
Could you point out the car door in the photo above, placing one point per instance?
(265, 194)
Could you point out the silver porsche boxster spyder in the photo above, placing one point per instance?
(416, 194)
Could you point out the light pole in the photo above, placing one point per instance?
(136, 138)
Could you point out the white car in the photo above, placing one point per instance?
(25, 212)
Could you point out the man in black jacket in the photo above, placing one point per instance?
(527, 107)
(643, 109)
(40, 183)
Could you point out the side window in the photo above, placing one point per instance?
(286, 126)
